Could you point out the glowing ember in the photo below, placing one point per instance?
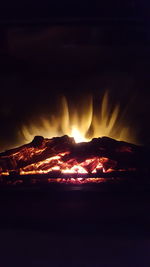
(77, 180)
(59, 163)
(60, 159)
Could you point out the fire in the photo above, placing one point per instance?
(81, 121)
(61, 159)
(78, 137)
(59, 163)
(67, 144)
(78, 181)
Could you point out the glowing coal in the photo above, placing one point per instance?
(60, 156)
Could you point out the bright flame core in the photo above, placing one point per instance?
(78, 137)
(82, 123)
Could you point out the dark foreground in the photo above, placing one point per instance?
(68, 225)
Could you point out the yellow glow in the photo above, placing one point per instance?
(82, 122)
(78, 137)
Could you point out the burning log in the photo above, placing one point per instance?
(39, 149)
(62, 154)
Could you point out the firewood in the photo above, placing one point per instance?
(39, 155)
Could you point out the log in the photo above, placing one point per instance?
(114, 154)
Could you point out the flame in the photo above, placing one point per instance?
(61, 158)
(78, 137)
(82, 122)
(58, 159)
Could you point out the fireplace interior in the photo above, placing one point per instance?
(74, 134)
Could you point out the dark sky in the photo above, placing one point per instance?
(47, 51)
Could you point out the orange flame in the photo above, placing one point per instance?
(83, 124)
